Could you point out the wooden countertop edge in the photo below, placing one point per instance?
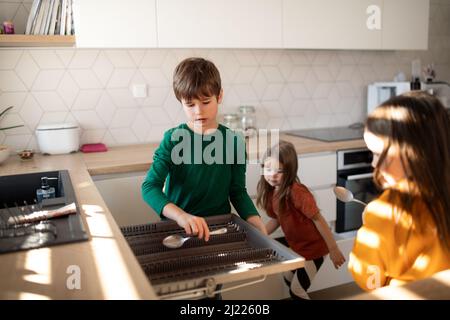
(114, 160)
(119, 168)
(436, 287)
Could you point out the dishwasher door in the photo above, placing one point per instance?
(194, 270)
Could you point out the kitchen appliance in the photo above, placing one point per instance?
(58, 138)
(355, 173)
(330, 134)
(18, 201)
(194, 270)
(379, 92)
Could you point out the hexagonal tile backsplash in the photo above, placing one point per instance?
(291, 89)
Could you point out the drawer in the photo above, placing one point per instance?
(328, 276)
(273, 288)
(317, 170)
(192, 270)
(326, 201)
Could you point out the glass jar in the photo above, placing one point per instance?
(248, 119)
(231, 120)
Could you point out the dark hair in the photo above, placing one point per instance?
(418, 125)
(286, 155)
(196, 78)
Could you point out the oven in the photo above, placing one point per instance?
(355, 173)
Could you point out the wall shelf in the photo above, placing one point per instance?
(25, 40)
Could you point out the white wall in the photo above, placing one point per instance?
(290, 88)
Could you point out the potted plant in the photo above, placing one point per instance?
(4, 150)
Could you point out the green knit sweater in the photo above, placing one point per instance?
(202, 173)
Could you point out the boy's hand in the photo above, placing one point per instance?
(337, 257)
(194, 225)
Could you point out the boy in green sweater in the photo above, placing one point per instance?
(201, 162)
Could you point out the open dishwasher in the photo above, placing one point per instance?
(194, 270)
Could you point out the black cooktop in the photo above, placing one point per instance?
(330, 134)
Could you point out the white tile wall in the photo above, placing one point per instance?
(289, 88)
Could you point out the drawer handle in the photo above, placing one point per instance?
(360, 176)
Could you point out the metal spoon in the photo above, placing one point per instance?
(346, 195)
(176, 240)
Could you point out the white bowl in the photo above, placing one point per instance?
(4, 153)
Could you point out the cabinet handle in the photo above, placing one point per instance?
(360, 176)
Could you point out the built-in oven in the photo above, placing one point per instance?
(355, 173)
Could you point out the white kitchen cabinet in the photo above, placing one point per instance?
(123, 197)
(219, 23)
(115, 23)
(328, 276)
(329, 24)
(356, 24)
(405, 24)
(326, 201)
(317, 170)
(273, 288)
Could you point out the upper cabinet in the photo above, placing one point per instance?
(299, 24)
(356, 24)
(115, 23)
(405, 24)
(331, 24)
(219, 23)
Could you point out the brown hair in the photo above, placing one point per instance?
(287, 156)
(418, 125)
(195, 78)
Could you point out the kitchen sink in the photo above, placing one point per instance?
(18, 199)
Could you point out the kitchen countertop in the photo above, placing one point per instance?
(109, 270)
(437, 287)
(139, 157)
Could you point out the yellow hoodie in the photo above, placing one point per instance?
(392, 247)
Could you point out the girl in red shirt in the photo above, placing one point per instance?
(292, 206)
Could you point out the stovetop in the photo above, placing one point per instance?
(330, 134)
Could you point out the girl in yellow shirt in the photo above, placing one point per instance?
(406, 231)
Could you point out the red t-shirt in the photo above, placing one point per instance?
(300, 231)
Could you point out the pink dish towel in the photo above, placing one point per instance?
(93, 147)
